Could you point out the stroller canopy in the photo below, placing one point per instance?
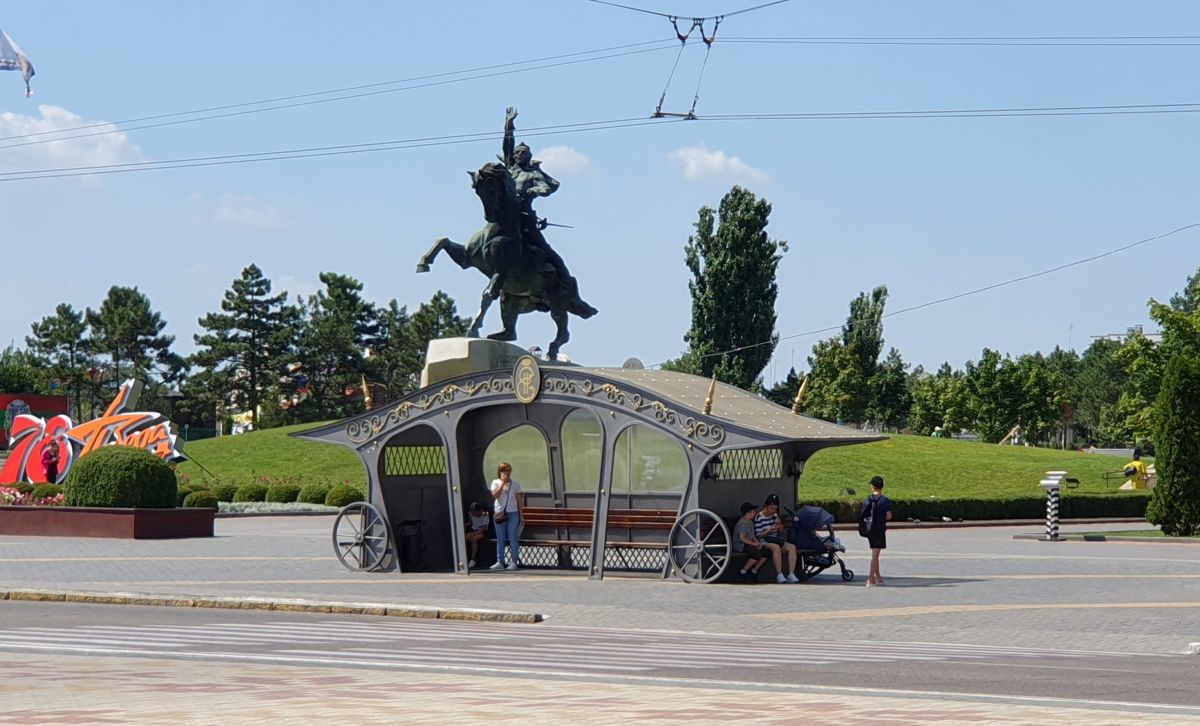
(810, 518)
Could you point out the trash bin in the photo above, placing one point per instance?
(410, 541)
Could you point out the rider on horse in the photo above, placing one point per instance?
(531, 182)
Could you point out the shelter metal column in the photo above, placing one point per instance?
(458, 533)
(600, 511)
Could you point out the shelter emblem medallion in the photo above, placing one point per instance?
(527, 379)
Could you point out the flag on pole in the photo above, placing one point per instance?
(12, 59)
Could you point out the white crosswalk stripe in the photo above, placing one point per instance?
(543, 647)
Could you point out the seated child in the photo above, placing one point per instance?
(478, 520)
(745, 541)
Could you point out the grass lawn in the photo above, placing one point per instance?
(920, 466)
(271, 453)
(913, 466)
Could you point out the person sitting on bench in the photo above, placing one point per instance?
(478, 521)
(745, 541)
(769, 529)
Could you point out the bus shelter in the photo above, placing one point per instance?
(623, 469)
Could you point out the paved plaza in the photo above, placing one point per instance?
(971, 586)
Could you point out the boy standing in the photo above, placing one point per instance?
(745, 541)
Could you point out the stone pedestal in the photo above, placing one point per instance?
(449, 358)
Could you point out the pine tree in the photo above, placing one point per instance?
(128, 330)
(61, 339)
(249, 343)
(733, 290)
(1175, 501)
(338, 328)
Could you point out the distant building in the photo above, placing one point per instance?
(1129, 333)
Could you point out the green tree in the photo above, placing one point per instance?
(128, 330)
(1175, 501)
(398, 351)
(62, 341)
(339, 326)
(889, 396)
(248, 345)
(784, 392)
(22, 372)
(992, 394)
(843, 367)
(733, 288)
(1040, 397)
(1096, 389)
(938, 400)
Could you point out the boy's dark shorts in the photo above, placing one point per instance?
(878, 540)
(755, 553)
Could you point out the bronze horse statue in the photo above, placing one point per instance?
(519, 273)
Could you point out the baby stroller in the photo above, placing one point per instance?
(812, 533)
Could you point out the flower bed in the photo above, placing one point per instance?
(61, 521)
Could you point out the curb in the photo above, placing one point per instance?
(223, 515)
(278, 605)
(1007, 523)
(1085, 537)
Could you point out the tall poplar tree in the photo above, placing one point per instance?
(733, 264)
(248, 344)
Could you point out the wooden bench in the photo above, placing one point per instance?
(561, 518)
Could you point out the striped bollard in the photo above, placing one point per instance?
(1052, 484)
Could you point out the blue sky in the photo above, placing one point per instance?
(929, 207)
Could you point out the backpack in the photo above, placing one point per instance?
(866, 518)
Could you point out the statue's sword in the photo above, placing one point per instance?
(544, 223)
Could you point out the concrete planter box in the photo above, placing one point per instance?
(106, 522)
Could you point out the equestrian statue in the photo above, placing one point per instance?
(523, 271)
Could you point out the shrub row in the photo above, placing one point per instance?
(121, 476)
(1073, 506)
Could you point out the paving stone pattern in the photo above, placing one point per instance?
(974, 585)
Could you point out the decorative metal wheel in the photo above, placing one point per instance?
(699, 546)
(361, 539)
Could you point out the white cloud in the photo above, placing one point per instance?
(243, 210)
(98, 144)
(564, 160)
(699, 164)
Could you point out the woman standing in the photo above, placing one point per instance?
(509, 501)
(50, 461)
(877, 512)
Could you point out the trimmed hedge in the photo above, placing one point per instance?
(224, 492)
(41, 491)
(314, 493)
(121, 476)
(285, 493)
(1072, 506)
(250, 493)
(24, 487)
(344, 494)
(200, 499)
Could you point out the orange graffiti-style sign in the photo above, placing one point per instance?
(117, 427)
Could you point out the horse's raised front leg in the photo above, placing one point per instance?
(457, 252)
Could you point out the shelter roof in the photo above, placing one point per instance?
(735, 407)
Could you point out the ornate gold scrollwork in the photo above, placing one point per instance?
(361, 430)
(706, 433)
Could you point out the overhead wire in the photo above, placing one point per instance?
(968, 293)
(697, 17)
(321, 151)
(1027, 40)
(109, 127)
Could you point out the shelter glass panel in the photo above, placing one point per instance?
(526, 449)
(648, 461)
(582, 440)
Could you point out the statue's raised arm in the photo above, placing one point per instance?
(510, 115)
